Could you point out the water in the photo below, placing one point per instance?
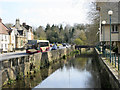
(77, 72)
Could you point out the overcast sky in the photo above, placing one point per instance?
(41, 12)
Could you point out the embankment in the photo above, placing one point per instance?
(108, 70)
(16, 68)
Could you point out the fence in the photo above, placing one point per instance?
(114, 59)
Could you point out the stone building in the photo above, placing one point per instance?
(25, 34)
(21, 39)
(13, 33)
(103, 8)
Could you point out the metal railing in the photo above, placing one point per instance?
(115, 59)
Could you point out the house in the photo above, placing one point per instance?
(29, 33)
(103, 8)
(13, 33)
(4, 37)
(21, 39)
(24, 34)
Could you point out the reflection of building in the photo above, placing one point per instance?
(4, 37)
(103, 8)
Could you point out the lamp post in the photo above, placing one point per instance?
(103, 47)
(103, 22)
(110, 12)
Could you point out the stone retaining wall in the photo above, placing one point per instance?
(16, 68)
(106, 69)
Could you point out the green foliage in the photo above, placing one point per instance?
(10, 81)
(64, 57)
(115, 49)
(78, 41)
(76, 51)
(40, 33)
(68, 34)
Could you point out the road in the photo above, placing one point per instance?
(19, 54)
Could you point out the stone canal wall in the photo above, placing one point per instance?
(108, 70)
(16, 68)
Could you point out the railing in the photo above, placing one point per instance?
(115, 59)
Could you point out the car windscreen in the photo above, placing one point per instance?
(32, 42)
(43, 44)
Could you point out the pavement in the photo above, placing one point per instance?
(12, 55)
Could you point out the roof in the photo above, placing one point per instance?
(3, 29)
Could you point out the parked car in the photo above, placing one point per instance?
(51, 45)
(54, 47)
(64, 44)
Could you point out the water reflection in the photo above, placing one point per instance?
(78, 72)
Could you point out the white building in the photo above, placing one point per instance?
(4, 37)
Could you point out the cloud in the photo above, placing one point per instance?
(56, 15)
(41, 12)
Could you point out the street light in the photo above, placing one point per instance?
(103, 22)
(110, 12)
(103, 48)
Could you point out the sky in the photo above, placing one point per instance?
(43, 12)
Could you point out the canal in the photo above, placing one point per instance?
(76, 72)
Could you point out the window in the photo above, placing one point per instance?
(1, 45)
(5, 37)
(44, 44)
(21, 42)
(12, 37)
(5, 45)
(2, 37)
(114, 28)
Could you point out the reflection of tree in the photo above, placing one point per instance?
(79, 63)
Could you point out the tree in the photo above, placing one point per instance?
(78, 41)
(92, 29)
(47, 27)
(41, 35)
(82, 36)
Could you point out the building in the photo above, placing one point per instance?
(4, 37)
(13, 33)
(21, 39)
(29, 33)
(24, 34)
(103, 8)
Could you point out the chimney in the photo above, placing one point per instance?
(24, 24)
(0, 20)
(17, 21)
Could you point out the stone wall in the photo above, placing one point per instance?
(105, 69)
(15, 68)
